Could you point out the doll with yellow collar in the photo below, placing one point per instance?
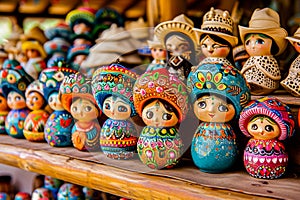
(263, 39)
(218, 93)
(161, 99)
(112, 88)
(77, 98)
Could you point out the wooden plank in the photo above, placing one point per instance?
(282, 96)
(110, 179)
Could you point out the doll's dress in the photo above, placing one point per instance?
(3, 115)
(180, 67)
(159, 147)
(214, 147)
(34, 66)
(262, 73)
(86, 138)
(118, 139)
(156, 64)
(14, 123)
(265, 158)
(34, 125)
(292, 82)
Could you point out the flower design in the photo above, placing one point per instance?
(209, 81)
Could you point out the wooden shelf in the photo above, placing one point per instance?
(85, 168)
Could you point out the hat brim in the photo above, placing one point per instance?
(277, 34)
(164, 28)
(293, 39)
(34, 45)
(233, 40)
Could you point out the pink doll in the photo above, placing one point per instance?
(35, 121)
(268, 122)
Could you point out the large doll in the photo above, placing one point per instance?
(14, 81)
(36, 120)
(263, 39)
(4, 110)
(179, 39)
(161, 99)
(218, 93)
(215, 37)
(77, 98)
(292, 82)
(112, 88)
(60, 122)
(267, 121)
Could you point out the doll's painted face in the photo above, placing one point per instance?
(3, 103)
(177, 45)
(35, 101)
(213, 109)
(32, 53)
(116, 108)
(297, 46)
(156, 114)
(84, 110)
(79, 59)
(258, 45)
(54, 102)
(263, 128)
(15, 101)
(211, 48)
(158, 53)
(81, 28)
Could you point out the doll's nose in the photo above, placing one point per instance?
(210, 49)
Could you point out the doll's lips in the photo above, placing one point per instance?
(211, 115)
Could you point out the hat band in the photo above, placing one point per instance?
(218, 29)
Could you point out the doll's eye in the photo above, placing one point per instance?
(216, 46)
(269, 128)
(107, 106)
(88, 108)
(35, 99)
(254, 127)
(74, 109)
(122, 109)
(166, 116)
(247, 42)
(203, 46)
(223, 108)
(149, 114)
(202, 104)
(260, 41)
(18, 98)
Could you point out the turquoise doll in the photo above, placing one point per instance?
(267, 121)
(70, 191)
(112, 88)
(161, 99)
(52, 184)
(41, 193)
(77, 98)
(218, 93)
(4, 110)
(14, 81)
(59, 124)
(35, 121)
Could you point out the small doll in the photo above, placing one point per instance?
(180, 41)
(35, 121)
(52, 184)
(4, 196)
(292, 82)
(216, 38)
(267, 121)
(22, 196)
(161, 99)
(14, 81)
(4, 110)
(70, 191)
(158, 53)
(59, 124)
(41, 193)
(77, 98)
(218, 93)
(77, 54)
(112, 88)
(263, 39)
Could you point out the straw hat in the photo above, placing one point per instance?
(217, 22)
(266, 21)
(34, 45)
(35, 33)
(181, 24)
(295, 37)
(155, 43)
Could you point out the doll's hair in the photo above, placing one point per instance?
(262, 116)
(274, 47)
(45, 101)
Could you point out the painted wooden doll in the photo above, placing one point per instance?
(263, 39)
(41, 193)
(218, 93)
(4, 110)
(112, 88)
(22, 196)
(180, 41)
(59, 124)
(267, 121)
(52, 184)
(14, 81)
(36, 120)
(292, 82)
(158, 53)
(161, 99)
(77, 98)
(216, 38)
(4, 196)
(70, 191)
